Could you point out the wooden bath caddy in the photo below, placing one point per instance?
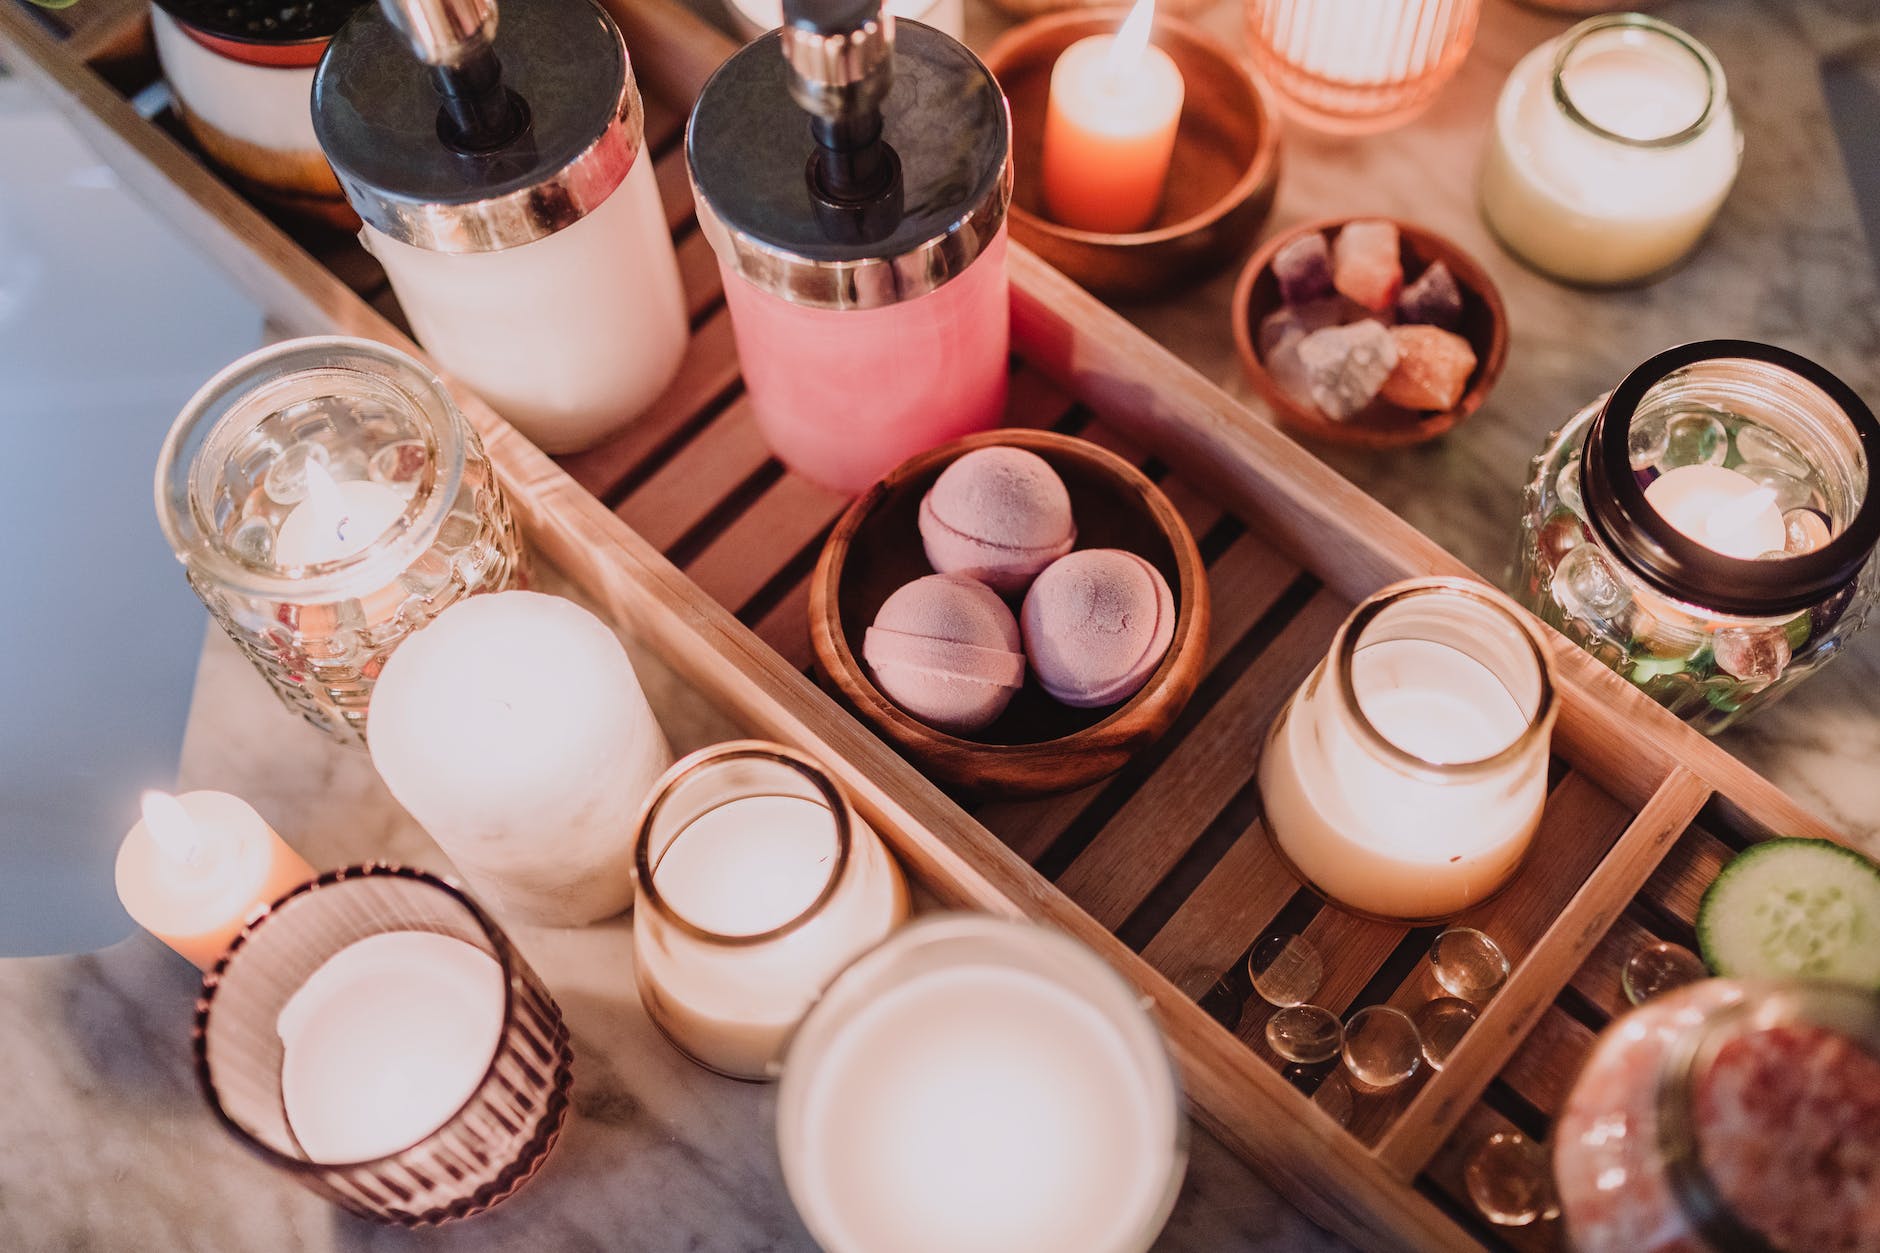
(688, 534)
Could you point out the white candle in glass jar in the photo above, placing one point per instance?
(1726, 512)
(386, 1041)
(515, 731)
(1628, 186)
(1385, 838)
(197, 865)
(335, 520)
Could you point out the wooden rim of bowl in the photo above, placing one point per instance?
(1309, 421)
(1265, 120)
(1172, 682)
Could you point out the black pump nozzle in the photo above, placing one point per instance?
(478, 114)
(841, 59)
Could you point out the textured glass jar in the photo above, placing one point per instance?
(1631, 1162)
(350, 429)
(491, 1145)
(1708, 635)
(1405, 778)
(1354, 66)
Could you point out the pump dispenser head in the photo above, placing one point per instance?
(840, 55)
(478, 113)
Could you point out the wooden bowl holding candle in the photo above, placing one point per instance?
(1221, 178)
(1380, 424)
(1037, 746)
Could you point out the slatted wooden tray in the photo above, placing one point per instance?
(689, 533)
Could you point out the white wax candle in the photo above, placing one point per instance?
(1388, 841)
(1726, 512)
(386, 1041)
(514, 729)
(982, 1108)
(197, 865)
(1109, 132)
(1591, 209)
(745, 868)
(336, 520)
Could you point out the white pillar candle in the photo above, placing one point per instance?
(1631, 185)
(386, 1041)
(515, 731)
(1726, 512)
(197, 865)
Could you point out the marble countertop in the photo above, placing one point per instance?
(108, 1144)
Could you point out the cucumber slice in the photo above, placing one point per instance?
(1792, 908)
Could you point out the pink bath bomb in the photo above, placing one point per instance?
(1096, 625)
(946, 649)
(998, 515)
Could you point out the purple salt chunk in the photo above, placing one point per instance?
(1345, 366)
(1304, 269)
(1434, 299)
(1293, 321)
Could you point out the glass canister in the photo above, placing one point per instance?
(509, 196)
(1707, 529)
(1406, 777)
(1726, 1116)
(327, 499)
(853, 175)
(1612, 150)
(1356, 66)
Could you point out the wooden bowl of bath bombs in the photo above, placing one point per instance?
(1037, 745)
(1291, 286)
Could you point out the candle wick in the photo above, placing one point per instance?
(339, 528)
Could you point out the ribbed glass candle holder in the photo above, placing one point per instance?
(1354, 66)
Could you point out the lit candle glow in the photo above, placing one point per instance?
(1115, 105)
(335, 520)
(1726, 512)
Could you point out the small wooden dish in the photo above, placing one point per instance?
(1221, 177)
(1381, 424)
(1037, 746)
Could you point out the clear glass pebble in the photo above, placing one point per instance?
(252, 540)
(1791, 492)
(1695, 439)
(286, 479)
(1510, 1181)
(1306, 1034)
(1805, 530)
(1441, 1024)
(399, 466)
(1760, 446)
(1658, 968)
(1587, 587)
(1753, 654)
(1646, 441)
(1567, 486)
(1285, 969)
(1468, 964)
(1382, 1048)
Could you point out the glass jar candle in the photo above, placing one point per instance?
(1726, 1116)
(1355, 66)
(863, 245)
(1611, 152)
(978, 1083)
(755, 883)
(326, 500)
(375, 1035)
(1707, 529)
(241, 76)
(1405, 778)
(532, 257)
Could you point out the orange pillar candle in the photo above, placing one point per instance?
(197, 866)
(1110, 128)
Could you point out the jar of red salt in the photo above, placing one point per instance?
(1728, 1116)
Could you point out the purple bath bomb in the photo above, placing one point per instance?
(998, 515)
(947, 650)
(1096, 625)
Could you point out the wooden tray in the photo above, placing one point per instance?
(694, 538)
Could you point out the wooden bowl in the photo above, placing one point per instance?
(1037, 746)
(1221, 177)
(1381, 424)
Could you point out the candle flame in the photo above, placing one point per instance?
(1132, 40)
(171, 828)
(1732, 524)
(326, 500)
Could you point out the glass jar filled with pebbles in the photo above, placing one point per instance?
(1707, 528)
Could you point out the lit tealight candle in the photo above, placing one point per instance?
(1726, 512)
(1109, 129)
(335, 520)
(197, 865)
(386, 1041)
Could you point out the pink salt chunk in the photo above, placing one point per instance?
(1432, 370)
(1433, 299)
(1293, 321)
(1345, 366)
(1366, 264)
(1304, 269)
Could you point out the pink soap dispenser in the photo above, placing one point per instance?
(852, 174)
